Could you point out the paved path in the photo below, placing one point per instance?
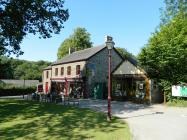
(155, 122)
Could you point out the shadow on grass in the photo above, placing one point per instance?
(33, 120)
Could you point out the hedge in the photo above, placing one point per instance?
(13, 91)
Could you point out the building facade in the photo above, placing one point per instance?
(130, 82)
(85, 70)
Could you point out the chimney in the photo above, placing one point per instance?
(69, 50)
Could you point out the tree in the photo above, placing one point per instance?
(21, 69)
(172, 9)
(79, 40)
(20, 17)
(165, 55)
(28, 69)
(6, 70)
(125, 53)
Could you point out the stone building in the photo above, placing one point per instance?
(86, 69)
(87, 72)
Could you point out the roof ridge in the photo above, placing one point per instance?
(80, 55)
(89, 48)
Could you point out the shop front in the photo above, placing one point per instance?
(71, 87)
(129, 82)
(128, 87)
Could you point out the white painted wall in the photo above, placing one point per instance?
(45, 79)
(73, 69)
(52, 72)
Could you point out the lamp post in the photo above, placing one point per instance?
(109, 44)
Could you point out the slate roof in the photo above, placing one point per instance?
(20, 83)
(47, 68)
(133, 61)
(80, 55)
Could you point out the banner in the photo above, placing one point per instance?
(179, 91)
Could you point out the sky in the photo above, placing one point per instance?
(129, 22)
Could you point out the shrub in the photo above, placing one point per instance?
(13, 91)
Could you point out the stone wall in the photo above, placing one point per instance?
(97, 69)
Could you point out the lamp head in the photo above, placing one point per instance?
(109, 42)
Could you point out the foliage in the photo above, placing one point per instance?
(6, 69)
(21, 69)
(32, 120)
(13, 91)
(79, 40)
(20, 17)
(178, 102)
(172, 9)
(165, 55)
(124, 53)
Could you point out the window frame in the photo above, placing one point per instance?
(47, 74)
(56, 71)
(62, 71)
(69, 70)
(78, 69)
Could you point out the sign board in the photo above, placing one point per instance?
(179, 91)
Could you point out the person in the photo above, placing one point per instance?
(62, 94)
(71, 93)
(53, 94)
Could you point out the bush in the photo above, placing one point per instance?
(166, 88)
(13, 91)
(172, 100)
(182, 102)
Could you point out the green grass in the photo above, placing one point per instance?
(32, 120)
(178, 103)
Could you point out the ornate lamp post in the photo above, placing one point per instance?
(109, 44)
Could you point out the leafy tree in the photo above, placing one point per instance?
(165, 55)
(79, 40)
(6, 70)
(125, 53)
(21, 69)
(30, 70)
(172, 9)
(20, 17)
(64, 48)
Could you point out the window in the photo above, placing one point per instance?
(56, 71)
(47, 74)
(77, 69)
(62, 70)
(69, 70)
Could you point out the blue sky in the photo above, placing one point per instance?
(129, 22)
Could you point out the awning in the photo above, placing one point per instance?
(68, 79)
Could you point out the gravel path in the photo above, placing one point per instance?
(155, 122)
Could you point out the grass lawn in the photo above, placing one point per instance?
(182, 103)
(32, 120)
